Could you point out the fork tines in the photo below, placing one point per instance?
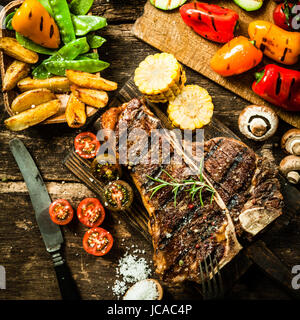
(212, 288)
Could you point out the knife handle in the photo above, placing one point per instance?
(67, 285)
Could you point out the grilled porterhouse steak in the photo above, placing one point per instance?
(247, 198)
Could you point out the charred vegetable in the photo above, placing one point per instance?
(235, 57)
(210, 21)
(278, 44)
(105, 168)
(34, 22)
(279, 86)
(118, 195)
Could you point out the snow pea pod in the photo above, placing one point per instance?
(86, 24)
(7, 21)
(46, 5)
(95, 41)
(68, 52)
(62, 16)
(59, 68)
(92, 55)
(30, 45)
(81, 7)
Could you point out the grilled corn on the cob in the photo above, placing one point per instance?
(192, 108)
(160, 77)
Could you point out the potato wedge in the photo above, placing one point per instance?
(17, 71)
(31, 98)
(12, 48)
(91, 81)
(75, 112)
(32, 116)
(55, 84)
(94, 98)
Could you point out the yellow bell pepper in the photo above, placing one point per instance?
(34, 22)
(278, 44)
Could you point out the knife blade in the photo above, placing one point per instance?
(39, 196)
(50, 232)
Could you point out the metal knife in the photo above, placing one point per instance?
(51, 232)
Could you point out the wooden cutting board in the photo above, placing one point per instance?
(137, 217)
(167, 32)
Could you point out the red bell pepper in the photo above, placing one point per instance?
(279, 86)
(210, 21)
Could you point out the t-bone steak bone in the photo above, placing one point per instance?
(185, 235)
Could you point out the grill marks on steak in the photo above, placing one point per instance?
(185, 235)
(243, 181)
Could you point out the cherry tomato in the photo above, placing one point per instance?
(97, 241)
(118, 195)
(283, 15)
(61, 212)
(105, 168)
(86, 145)
(90, 212)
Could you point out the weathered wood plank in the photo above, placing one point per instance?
(115, 11)
(30, 274)
(50, 144)
(29, 268)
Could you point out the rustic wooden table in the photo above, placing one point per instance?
(29, 270)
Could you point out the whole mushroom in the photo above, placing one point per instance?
(258, 122)
(290, 141)
(289, 166)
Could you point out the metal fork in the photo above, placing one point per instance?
(212, 289)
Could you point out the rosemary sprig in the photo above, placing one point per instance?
(195, 186)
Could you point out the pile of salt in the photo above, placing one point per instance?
(142, 290)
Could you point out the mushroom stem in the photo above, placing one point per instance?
(290, 141)
(289, 166)
(258, 122)
(258, 127)
(293, 177)
(296, 148)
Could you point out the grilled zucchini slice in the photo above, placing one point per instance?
(167, 4)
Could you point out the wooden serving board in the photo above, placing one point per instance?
(167, 32)
(5, 62)
(137, 217)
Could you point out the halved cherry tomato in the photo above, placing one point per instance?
(86, 145)
(90, 212)
(61, 212)
(118, 195)
(105, 168)
(97, 241)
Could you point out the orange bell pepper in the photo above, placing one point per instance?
(34, 22)
(235, 57)
(278, 44)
